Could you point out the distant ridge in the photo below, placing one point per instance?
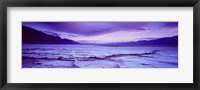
(167, 41)
(32, 36)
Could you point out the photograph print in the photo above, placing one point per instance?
(98, 44)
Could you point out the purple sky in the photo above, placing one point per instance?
(106, 32)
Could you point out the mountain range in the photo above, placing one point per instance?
(32, 36)
(166, 41)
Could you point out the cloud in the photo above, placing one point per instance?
(170, 24)
(86, 28)
(73, 35)
(51, 33)
(88, 41)
(98, 28)
(104, 32)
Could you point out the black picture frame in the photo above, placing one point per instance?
(98, 3)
